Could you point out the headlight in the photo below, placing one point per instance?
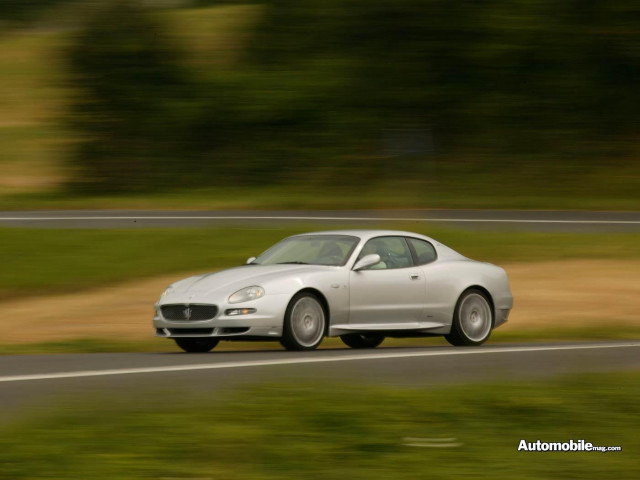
(247, 294)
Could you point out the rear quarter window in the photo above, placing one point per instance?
(425, 252)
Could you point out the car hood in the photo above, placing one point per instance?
(233, 279)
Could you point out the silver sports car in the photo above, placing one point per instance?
(360, 285)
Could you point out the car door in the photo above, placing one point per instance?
(390, 294)
(437, 309)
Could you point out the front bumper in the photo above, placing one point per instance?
(266, 321)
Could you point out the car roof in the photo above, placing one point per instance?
(444, 252)
(366, 234)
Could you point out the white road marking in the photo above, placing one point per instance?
(300, 361)
(420, 439)
(434, 445)
(186, 478)
(432, 442)
(355, 219)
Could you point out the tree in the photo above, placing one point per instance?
(133, 102)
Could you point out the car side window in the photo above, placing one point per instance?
(425, 252)
(394, 252)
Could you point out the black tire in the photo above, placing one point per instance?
(196, 345)
(362, 340)
(473, 319)
(305, 323)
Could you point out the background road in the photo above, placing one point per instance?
(533, 220)
(33, 381)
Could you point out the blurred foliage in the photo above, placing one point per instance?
(134, 99)
(527, 69)
(329, 89)
(329, 430)
(12, 11)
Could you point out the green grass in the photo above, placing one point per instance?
(49, 261)
(455, 190)
(332, 431)
(42, 260)
(84, 345)
(500, 336)
(560, 334)
(38, 261)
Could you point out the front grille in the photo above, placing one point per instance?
(182, 311)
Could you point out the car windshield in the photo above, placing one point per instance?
(332, 250)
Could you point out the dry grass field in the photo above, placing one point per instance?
(569, 294)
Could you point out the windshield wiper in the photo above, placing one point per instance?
(292, 263)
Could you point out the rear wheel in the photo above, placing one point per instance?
(304, 323)
(362, 340)
(196, 345)
(472, 319)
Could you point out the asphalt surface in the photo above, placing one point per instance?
(32, 382)
(530, 220)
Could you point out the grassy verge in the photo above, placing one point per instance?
(336, 431)
(575, 332)
(454, 190)
(84, 345)
(51, 262)
(500, 336)
(45, 261)
(41, 261)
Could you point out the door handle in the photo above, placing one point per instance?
(414, 276)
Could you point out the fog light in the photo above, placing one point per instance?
(239, 311)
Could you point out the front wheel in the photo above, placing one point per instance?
(304, 323)
(472, 319)
(362, 340)
(196, 345)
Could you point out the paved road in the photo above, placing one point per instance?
(578, 221)
(34, 381)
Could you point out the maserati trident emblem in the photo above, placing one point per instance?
(187, 313)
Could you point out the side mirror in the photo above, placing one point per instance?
(250, 260)
(366, 262)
